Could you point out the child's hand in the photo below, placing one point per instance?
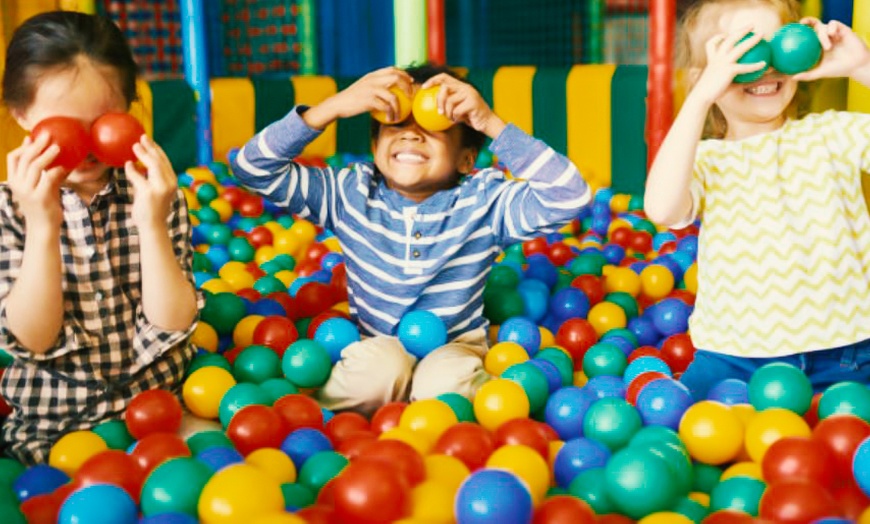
(844, 52)
(369, 93)
(723, 51)
(153, 194)
(36, 189)
(460, 102)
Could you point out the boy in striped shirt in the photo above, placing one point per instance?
(416, 233)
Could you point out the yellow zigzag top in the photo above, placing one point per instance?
(784, 249)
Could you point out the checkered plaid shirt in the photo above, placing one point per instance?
(107, 351)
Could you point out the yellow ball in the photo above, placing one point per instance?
(287, 243)
(701, 498)
(622, 279)
(73, 449)
(429, 417)
(190, 198)
(711, 432)
(239, 493)
(274, 227)
(743, 469)
(446, 470)
(527, 464)
(204, 388)
(498, 401)
(666, 517)
(580, 379)
(770, 425)
(425, 109)
(230, 267)
(547, 338)
(274, 463)
(224, 209)
(432, 502)
(404, 102)
(201, 173)
(243, 333)
(342, 307)
(217, 285)
(619, 203)
(264, 254)
(690, 277)
(279, 518)
(239, 280)
(502, 356)
(656, 281)
(332, 244)
(205, 337)
(286, 276)
(418, 441)
(605, 316)
(304, 231)
(864, 518)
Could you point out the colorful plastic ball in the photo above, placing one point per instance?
(568, 303)
(590, 486)
(461, 406)
(611, 421)
(114, 433)
(223, 311)
(38, 480)
(237, 397)
(320, 468)
(335, 334)
(770, 425)
(663, 403)
(532, 380)
(504, 355)
(429, 417)
(470, 443)
(219, 458)
(404, 106)
(842, 434)
(431, 502)
(492, 495)
(605, 316)
(639, 482)
(666, 517)
(604, 359)
(737, 493)
(670, 316)
(306, 364)
(73, 449)
(368, 492)
(99, 504)
(799, 458)
(174, 486)
(845, 398)
(678, 352)
(713, 434)
(656, 281)
(425, 110)
(730, 391)
(760, 52)
(606, 386)
(153, 411)
(644, 365)
(795, 48)
(796, 501)
(421, 332)
(257, 364)
(303, 443)
(239, 493)
(498, 401)
(527, 465)
(566, 408)
(535, 295)
(576, 456)
(561, 360)
(540, 268)
(781, 385)
(523, 332)
(256, 426)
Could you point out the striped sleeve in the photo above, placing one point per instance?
(266, 166)
(550, 192)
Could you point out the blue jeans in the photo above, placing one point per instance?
(824, 367)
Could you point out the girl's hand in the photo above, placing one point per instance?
(723, 51)
(154, 193)
(35, 188)
(461, 102)
(844, 53)
(369, 93)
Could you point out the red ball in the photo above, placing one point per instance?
(560, 254)
(113, 136)
(249, 293)
(299, 411)
(592, 286)
(796, 502)
(798, 458)
(255, 271)
(667, 248)
(728, 517)
(640, 242)
(535, 246)
(341, 425)
(287, 302)
(306, 268)
(621, 236)
(315, 297)
(387, 416)
(260, 236)
(576, 336)
(850, 499)
(276, 332)
(683, 294)
(251, 206)
(157, 448)
(233, 195)
(812, 414)
(69, 135)
(842, 434)
(232, 353)
(316, 252)
(564, 509)
(318, 514)
(368, 493)
(153, 411)
(525, 432)
(635, 386)
(398, 455)
(678, 352)
(41, 509)
(111, 467)
(469, 442)
(256, 426)
(643, 351)
(355, 443)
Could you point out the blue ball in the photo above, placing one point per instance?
(330, 260)
(303, 443)
(670, 316)
(169, 518)
(689, 245)
(645, 330)
(493, 495)
(335, 334)
(605, 386)
(551, 372)
(662, 403)
(661, 238)
(566, 409)
(218, 256)
(614, 253)
(99, 504)
(38, 480)
(421, 332)
(536, 296)
(576, 456)
(644, 364)
(540, 268)
(522, 331)
(569, 302)
(298, 283)
(267, 307)
(603, 195)
(730, 391)
(219, 457)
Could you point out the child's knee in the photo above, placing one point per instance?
(450, 369)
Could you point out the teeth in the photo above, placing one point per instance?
(763, 89)
(409, 157)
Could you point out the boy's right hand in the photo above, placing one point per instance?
(723, 51)
(35, 188)
(369, 93)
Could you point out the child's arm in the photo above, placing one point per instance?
(845, 54)
(34, 304)
(667, 200)
(168, 297)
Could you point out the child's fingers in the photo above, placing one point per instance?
(737, 48)
(712, 45)
(741, 69)
(438, 79)
(136, 178)
(34, 169)
(53, 178)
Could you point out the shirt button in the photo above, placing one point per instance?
(98, 295)
(418, 235)
(416, 254)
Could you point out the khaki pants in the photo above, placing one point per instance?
(378, 370)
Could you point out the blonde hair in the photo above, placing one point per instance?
(697, 25)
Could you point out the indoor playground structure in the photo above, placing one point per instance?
(584, 419)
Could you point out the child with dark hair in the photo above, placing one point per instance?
(97, 301)
(417, 233)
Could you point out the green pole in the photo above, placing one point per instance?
(410, 32)
(308, 37)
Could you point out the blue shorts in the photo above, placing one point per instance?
(824, 367)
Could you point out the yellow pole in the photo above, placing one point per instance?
(859, 96)
(83, 6)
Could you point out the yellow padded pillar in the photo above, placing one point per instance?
(232, 113)
(512, 95)
(311, 90)
(143, 108)
(589, 126)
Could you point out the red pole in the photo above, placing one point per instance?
(437, 40)
(660, 101)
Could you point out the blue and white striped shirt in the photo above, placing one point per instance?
(402, 255)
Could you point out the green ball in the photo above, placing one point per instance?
(265, 218)
(209, 359)
(218, 234)
(639, 482)
(739, 494)
(646, 225)
(706, 477)
(603, 359)
(692, 510)
(625, 333)
(285, 221)
(553, 491)
(297, 496)
(240, 249)
(246, 223)
(306, 364)
(205, 193)
(269, 284)
(795, 48)
(760, 52)
(516, 250)
(612, 422)
(257, 364)
(10, 469)
(279, 387)
(780, 385)
(302, 326)
(287, 262)
(201, 262)
(590, 486)
(680, 462)
(115, 434)
(320, 468)
(532, 380)
(500, 304)
(208, 215)
(174, 486)
(484, 159)
(239, 396)
(657, 434)
(203, 440)
(220, 169)
(503, 276)
(461, 406)
(10, 514)
(562, 361)
(625, 301)
(845, 398)
(588, 264)
(635, 203)
(223, 311)
(563, 280)
(270, 267)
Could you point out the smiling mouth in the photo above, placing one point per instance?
(409, 158)
(765, 89)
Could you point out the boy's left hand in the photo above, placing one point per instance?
(460, 102)
(154, 193)
(844, 53)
